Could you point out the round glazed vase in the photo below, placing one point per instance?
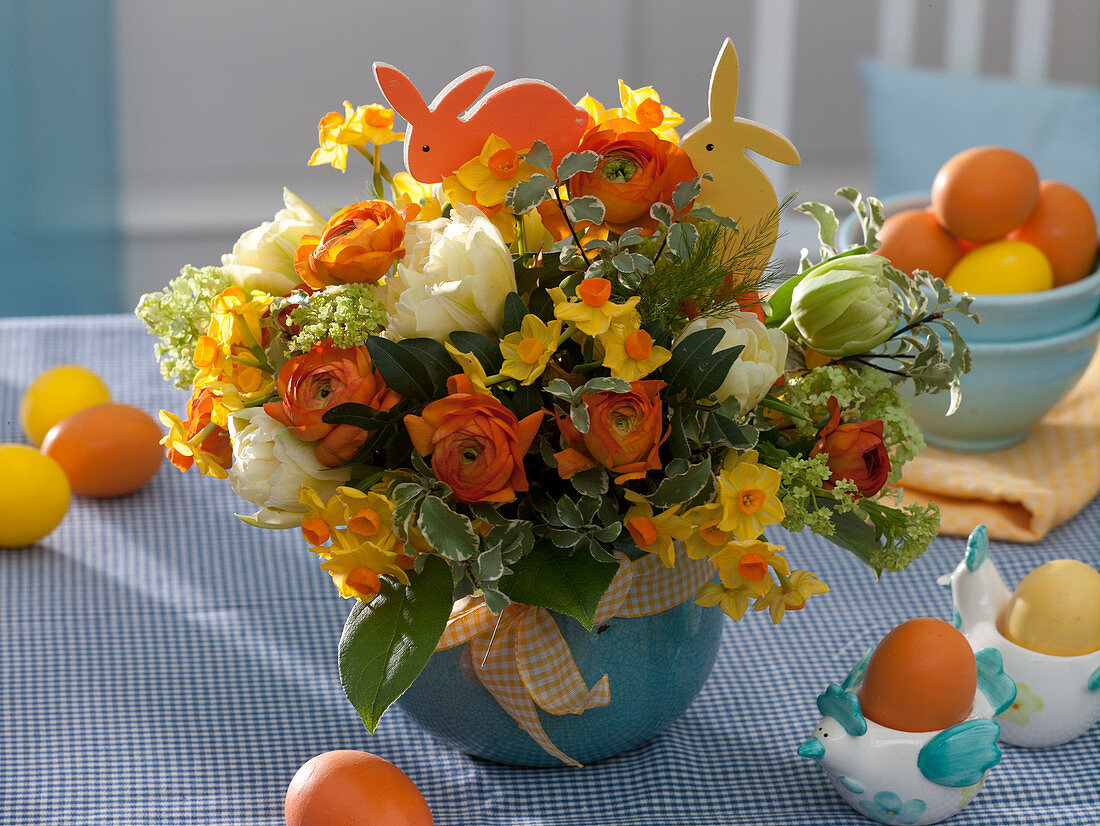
(655, 666)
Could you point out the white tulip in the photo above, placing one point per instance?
(760, 363)
(263, 257)
(270, 468)
(455, 275)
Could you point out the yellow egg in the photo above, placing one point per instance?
(34, 495)
(56, 395)
(1055, 609)
(1002, 267)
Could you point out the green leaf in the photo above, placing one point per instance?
(712, 372)
(435, 358)
(585, 208)
(528, 194)
(401, 368)
(779, 302)
(539, 156)
(675, 490)
(591, 482)
(359, 415)
(826, 222)
(526, 400)
(685, 193)
(578, 414)
(449, 533)
(624, 262)
(570, 513)
(681, 367)
(609, 533)
(661, 213)
(551, 579)
(602, 383)
(682, 239)
(387, 642)
(486, 350)
(705, 213)
(514, 311)
(723, 430)
(576, 162)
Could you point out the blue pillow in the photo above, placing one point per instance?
(918, 118)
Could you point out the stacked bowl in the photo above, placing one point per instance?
(1028, 352)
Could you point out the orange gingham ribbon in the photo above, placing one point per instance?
(526, 662)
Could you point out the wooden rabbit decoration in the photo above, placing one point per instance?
(740, 189)
(439, 138)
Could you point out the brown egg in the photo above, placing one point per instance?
(914, 240)
(353, 788)
(984, 193)
(921, 677)
(106, 450)
(1064, 228)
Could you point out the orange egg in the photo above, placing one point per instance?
(984, 193)
(353, 788)
(1064, 228)
(914, 240)
(106, 450)
(921, 677)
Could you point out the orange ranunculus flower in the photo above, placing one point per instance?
(200, 408)
(624, 433)
(637, 169)
(477, 444)
(358, 244)
(311, 384)
(856, 451)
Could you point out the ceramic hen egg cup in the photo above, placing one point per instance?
(1058, 698)
(915, 777)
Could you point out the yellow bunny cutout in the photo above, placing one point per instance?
(740, 189)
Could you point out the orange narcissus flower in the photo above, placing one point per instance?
(359, 244)
(477, 444)
(624, 433)
(311, 384)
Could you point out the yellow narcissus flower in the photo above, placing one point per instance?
(748, 563)
(747, 494)
(471, 366)
(176, 439)
(355, 571)
(655, 533)
(528, 351)
(493, 172)
(410, 192)
(644, 106)
(596, 112)
(707, 539)
(592, 310)
(629, 352)
(236, 317)
(791, 594)
(733, 601)
(356, 127)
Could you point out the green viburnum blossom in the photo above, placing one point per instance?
(867, 390)
(178, 315)
(346, 313)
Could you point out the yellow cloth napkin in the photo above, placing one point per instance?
(1023, 491)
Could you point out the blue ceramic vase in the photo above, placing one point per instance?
(655, 667)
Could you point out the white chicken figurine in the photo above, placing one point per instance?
(912, 777)
(1058, 697)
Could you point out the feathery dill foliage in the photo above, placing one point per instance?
(722, 264)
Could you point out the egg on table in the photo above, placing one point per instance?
(106, 450)
(1048, 634)
(908, 736)
(985, 192)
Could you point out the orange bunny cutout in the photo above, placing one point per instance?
(740, 188)
(440, 138)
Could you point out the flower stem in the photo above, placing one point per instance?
(572, 229)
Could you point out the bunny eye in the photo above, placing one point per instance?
(710, 147)
(425, 148)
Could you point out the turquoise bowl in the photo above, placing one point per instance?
(655, 667)
(1011, 317)
(1011, 385)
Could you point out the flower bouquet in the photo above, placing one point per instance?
(549, 367)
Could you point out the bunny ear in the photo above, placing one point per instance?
(767, 142)
(725, 78)
(399, 91)
(458, 95)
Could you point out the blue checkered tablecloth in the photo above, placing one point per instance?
(161, 663)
